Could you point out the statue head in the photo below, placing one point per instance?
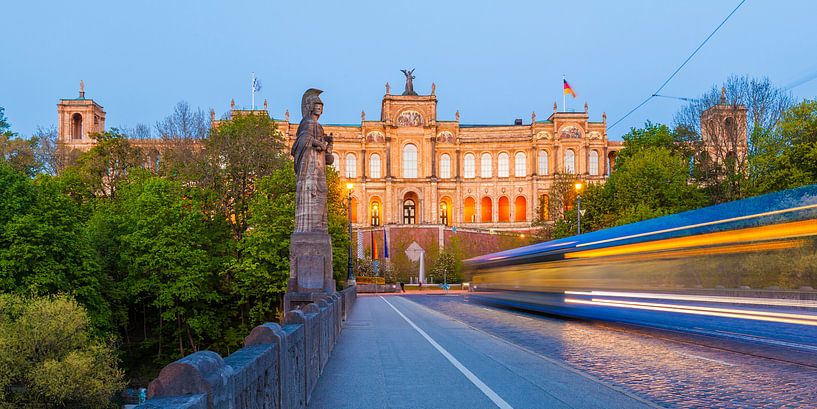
(311, 103)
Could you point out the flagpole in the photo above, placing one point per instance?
(252, 90)
(564, 95)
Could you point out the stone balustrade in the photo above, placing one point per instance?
(278, 367)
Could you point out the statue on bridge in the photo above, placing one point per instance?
(310, 251)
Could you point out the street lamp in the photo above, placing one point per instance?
(579, 186)
(350, 278)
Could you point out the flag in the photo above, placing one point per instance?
(360, 253)
(256, 85)
(385, 245)
(374, 247)
(568, 89)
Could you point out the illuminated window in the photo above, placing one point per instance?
(485, 170)
(570, 161)
(520, 211)
(486, 210)
(445, 166)
(375, 213)
(351, 165)
(520, 164)
(504, 209)
(409, 161)
(469, 210)
(409, 212)
(594, 163)
(543, 162)
(469, 166)
(444, 213)
(502, 165)
(374, 166)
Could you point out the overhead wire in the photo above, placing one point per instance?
(674, 73)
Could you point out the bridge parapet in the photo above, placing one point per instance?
(278, 367)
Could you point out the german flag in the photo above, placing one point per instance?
(568, 90)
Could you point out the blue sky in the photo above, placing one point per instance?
(492, 61)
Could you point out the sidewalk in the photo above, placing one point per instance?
(394, 353)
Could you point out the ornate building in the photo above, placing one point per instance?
(410, 167)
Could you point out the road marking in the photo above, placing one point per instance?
(706, 359)
(499, 402)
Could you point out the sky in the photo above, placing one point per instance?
(494, 61)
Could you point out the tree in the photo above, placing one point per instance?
(5, 127)
(445, 268)
(789, 159)
(50, 356)
(725, 160)
(16, 152)
(182, 133)
(108, 163)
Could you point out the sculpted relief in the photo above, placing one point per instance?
(570, 132)
(375, 137)
(594, 135)
(543, 135)
(445, 137)
(409, 118)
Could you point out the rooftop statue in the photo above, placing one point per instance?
(409, 84)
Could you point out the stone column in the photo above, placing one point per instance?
(388, 157)
(363, 173)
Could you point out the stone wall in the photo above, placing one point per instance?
(278, 367)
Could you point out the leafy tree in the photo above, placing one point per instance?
(652, 135)
(5, 127)
(182, 133)
(790, 159)
(108, 163)
(445, 268)
(50, 356)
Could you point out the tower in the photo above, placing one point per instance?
(79, 117)
(724, 134)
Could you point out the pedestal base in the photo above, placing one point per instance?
(310, 269)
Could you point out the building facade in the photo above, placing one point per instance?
(410, 167)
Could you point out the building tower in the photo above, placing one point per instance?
(724, 134)
(79, 117)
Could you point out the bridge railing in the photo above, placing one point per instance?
(278, 367)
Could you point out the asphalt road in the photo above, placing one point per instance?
(396, 352)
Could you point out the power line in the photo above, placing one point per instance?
(680, 66)
(678, 98)
(801, 81)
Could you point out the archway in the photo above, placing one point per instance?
(520, 209)
(486, 210)
(411, 208)
(445, 211)
(76, 126)
(469, 210)
(375, 211)
(354, 209)
(504, 209)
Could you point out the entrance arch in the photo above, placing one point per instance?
(410, 208)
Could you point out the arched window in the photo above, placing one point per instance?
(502, 165)
(445, 166)
(351, 165)
(520, 164)
(409, 211)
(409, 161)
(469, 210)
(520, 209)
(445, 212)
(76, 126)
(354, 210)
(375, 212)
(543, 163)
(570, 161)
(335, 162)
(594, 163)
(485, 170)
(486, 210)
(504, 209)
(374, 166)
(470, 166)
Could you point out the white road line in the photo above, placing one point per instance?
(499, 402)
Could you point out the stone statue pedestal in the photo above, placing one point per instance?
(310, 269)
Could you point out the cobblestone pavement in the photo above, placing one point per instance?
(668, 372)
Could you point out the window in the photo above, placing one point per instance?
(543, 163)
(409, 209)
(409, 161)
(520, 209)
(486, 210)
(485, 170)
(504, 209)
(520, 164)
(335, 162)
(374, 166)
(351, 165)
(502, 165)
(470, 166)
(570, 161)
(375, 213)
(444, 213)
(445, 166)
(594, 163)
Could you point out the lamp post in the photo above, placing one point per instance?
(579, 187)
(350, 278)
